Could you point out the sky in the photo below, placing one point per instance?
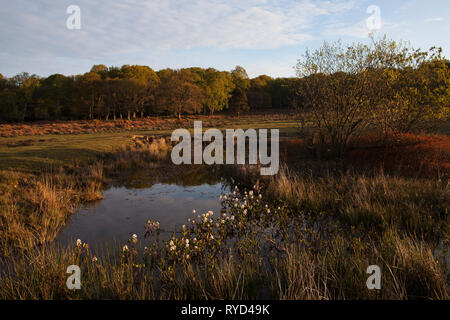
(263, 36)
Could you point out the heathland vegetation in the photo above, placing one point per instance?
(364, 179)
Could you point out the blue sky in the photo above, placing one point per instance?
(264, 36)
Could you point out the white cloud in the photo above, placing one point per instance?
(433, 19)
(359, 30)
(118, 27)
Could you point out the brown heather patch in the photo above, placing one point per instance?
(405, 153)
(137, 124)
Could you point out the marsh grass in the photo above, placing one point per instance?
(278, 251)
(35, 207)
(331, 270)
(376, 202)
(409, 271)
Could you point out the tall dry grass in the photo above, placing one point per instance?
(331, 270)
(419, 206)
(35, 207)
(409, 271)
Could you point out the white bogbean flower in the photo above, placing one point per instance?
(251, 193)
(125, 248)
(260, 196)
(79, 243)
(134, 237)
(193, 211)
(183, 227)
(94, 259)
(245, 212)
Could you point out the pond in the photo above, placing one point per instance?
(128, 204)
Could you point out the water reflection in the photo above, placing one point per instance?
(135, 197)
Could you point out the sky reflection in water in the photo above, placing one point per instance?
(125, 209)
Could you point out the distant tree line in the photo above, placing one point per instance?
(342, 90)
(138, 91)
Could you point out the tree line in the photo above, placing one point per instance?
(340, 89)
(137, 91)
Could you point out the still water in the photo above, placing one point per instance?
(126, 206)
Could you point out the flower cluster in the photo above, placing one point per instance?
(206, 233)
(151, 227)
(204, 236)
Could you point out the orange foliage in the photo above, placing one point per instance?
(292, 149)
(405, 154)
(409, 154)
